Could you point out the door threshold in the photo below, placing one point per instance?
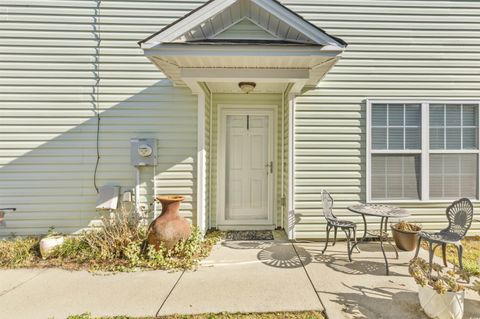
(246, 227)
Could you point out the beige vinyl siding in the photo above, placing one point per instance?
(244, 99)
(400, 49)
(59, 61)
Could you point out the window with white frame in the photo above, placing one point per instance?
(422, 151)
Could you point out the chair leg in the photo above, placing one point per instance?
(355, 239)
(328, 236)
(444, 254)
(430, 258)
(335, 237)
(418, 247)
(460, 255)
(347, 232)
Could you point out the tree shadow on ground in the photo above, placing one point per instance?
(380, 302)
(386, 302)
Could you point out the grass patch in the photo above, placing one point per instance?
(273, 315)
(471, 254)
(119, 245)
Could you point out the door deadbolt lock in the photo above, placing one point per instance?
(269, 167)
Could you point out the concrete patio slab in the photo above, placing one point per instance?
(360, 289)
(245, 276)
(239, 276)
(57, 293)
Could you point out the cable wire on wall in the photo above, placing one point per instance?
(96, 93)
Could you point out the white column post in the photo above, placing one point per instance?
(201, 163)
(291, 167)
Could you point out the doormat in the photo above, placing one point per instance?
(250, 235)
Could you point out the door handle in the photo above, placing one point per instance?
(269, 167)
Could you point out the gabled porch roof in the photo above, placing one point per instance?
(241, 40)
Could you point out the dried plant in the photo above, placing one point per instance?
(116, 233)
(406, 226)
(439, 278)
(117, 244)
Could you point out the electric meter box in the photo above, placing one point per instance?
(143, 152)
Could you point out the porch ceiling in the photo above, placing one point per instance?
(232, 87)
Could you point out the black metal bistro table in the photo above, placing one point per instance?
(384, 212)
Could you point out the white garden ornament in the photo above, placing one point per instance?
(441, 291)
(449, 305)
(48, 244)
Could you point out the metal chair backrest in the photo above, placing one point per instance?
(460, 216)
(327, 202)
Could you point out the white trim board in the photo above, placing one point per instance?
(201, 163)
(213, 8)
(291, 167)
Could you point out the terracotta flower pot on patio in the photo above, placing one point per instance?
(405, 238)
(169, 228)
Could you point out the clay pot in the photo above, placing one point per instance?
(404, 239)
(169, 228)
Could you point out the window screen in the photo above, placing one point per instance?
(453, 176)
(396, 151)
(395, 177)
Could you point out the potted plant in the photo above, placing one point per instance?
(49, 242)
(405, 235)
(441, 292)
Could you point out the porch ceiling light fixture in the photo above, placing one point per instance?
(247, 87)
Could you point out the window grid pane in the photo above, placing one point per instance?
(453, 126)
(396, 126)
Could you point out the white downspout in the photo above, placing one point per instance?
(137, 190)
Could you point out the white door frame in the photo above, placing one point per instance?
(229, 109)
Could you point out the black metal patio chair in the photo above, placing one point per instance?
(348, 227)
(460, 216)
(2, 214)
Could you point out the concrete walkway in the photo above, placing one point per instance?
(244, 276)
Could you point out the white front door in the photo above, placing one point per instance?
(248, 169)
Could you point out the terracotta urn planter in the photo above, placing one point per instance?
(168, 228)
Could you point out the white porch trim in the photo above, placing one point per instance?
(235, 75)
(201, 163)
(291, 167)
(211, 9)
